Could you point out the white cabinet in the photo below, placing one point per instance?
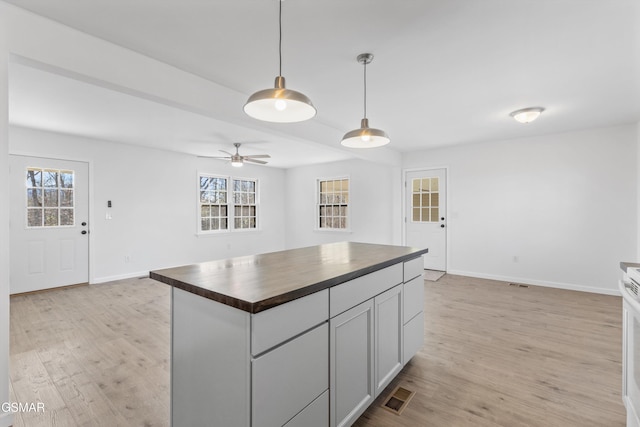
(388, 337)
(413, 300)
(233, 368)
(314, 415)
(366, 341)
(381, 329)
(316, 361)
(286, 379)
(351, 382)
(630, 356)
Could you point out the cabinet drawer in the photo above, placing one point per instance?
(314, 415)
(349, 294)
(274, 326)
(413, 337)
(287, 379)
(413, 298)
(413, 269)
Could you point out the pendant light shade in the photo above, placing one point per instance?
(279, 104)
(365, 137)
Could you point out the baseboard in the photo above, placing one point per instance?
(105, 279)
(532, 282)
(6, 419)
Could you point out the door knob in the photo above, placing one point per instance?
(83, 232)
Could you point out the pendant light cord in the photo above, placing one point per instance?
(365, 89)
(280, 37)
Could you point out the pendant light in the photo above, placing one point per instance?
(279, 104)
(365, 137)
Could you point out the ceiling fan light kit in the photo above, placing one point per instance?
(279, 104)
(364, 136)
(237, 160)
(527, 115)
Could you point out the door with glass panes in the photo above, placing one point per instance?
(425, 215)
(48, 224)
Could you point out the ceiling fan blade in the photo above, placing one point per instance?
(260, 162)
(258, 156)
(216, 157)
(226, 152)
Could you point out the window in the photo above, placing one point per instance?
(333, 204)
(213, 203)
(225, 206)
(425, 200)
(244, 203)
(50, 198)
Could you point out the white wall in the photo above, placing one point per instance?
(565, 205)
(374, 198)
(5, 418)
(637, 259)
(154, 198)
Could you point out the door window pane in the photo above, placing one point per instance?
(49, 198)
(425, 200)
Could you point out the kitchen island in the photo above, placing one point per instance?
(303, 337)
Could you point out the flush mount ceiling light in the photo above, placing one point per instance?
(279, 104)
(365, 137)
(527, 115)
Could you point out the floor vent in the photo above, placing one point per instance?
(518, 285)
(398, 400)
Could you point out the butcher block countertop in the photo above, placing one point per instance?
(258, 282)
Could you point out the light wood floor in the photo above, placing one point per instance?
(494, 355)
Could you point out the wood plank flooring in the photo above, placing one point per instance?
(494, 355)
(95, 355)
(499, 355)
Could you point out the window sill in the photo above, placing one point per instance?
(228, 232)
(332, 230)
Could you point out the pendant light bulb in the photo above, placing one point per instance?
(365, 137)
(279, 105)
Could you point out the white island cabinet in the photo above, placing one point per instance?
(300, 338)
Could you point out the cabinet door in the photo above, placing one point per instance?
(388, 337)
(351, 380)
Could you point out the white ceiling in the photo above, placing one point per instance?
(445, 72)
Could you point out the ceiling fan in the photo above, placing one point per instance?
(237, 160)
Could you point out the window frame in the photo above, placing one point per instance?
(230, 205)
(317, 216)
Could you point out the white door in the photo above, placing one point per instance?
(48, 224)
(425, 210)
